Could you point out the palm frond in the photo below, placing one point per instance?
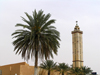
(24, 26)
(28, 22)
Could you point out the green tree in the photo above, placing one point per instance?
(76, 71)
(62, 68)
(85, 70)
(37, 38)
(48, 65)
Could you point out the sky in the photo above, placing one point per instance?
(66, 13)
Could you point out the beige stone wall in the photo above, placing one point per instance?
(10, 70)
(5, 70)
(77, 48)
(26, 70)
(16, 68)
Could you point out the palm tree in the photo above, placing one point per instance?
(85, 70)
(62, 67)
(37, 38)
(48, 65)
(76, 71)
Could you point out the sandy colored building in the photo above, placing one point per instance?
(23, 69)
(17, 69)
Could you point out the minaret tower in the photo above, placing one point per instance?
(77, 46)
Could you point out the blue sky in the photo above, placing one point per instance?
(66, 12)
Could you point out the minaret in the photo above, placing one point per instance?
(77, 46)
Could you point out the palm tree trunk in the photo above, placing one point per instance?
(36, 62)
(49, 72)
(62, 73)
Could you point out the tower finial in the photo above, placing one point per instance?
(76, 23)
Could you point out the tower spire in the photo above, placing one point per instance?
(76, 23)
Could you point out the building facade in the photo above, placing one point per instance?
(77, 47)
(17, 69)
(23, 69)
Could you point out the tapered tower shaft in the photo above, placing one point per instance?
(77, 47)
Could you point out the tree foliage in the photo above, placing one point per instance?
(62, 68)
(81, 71)
(48, 65)
(38, 38)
